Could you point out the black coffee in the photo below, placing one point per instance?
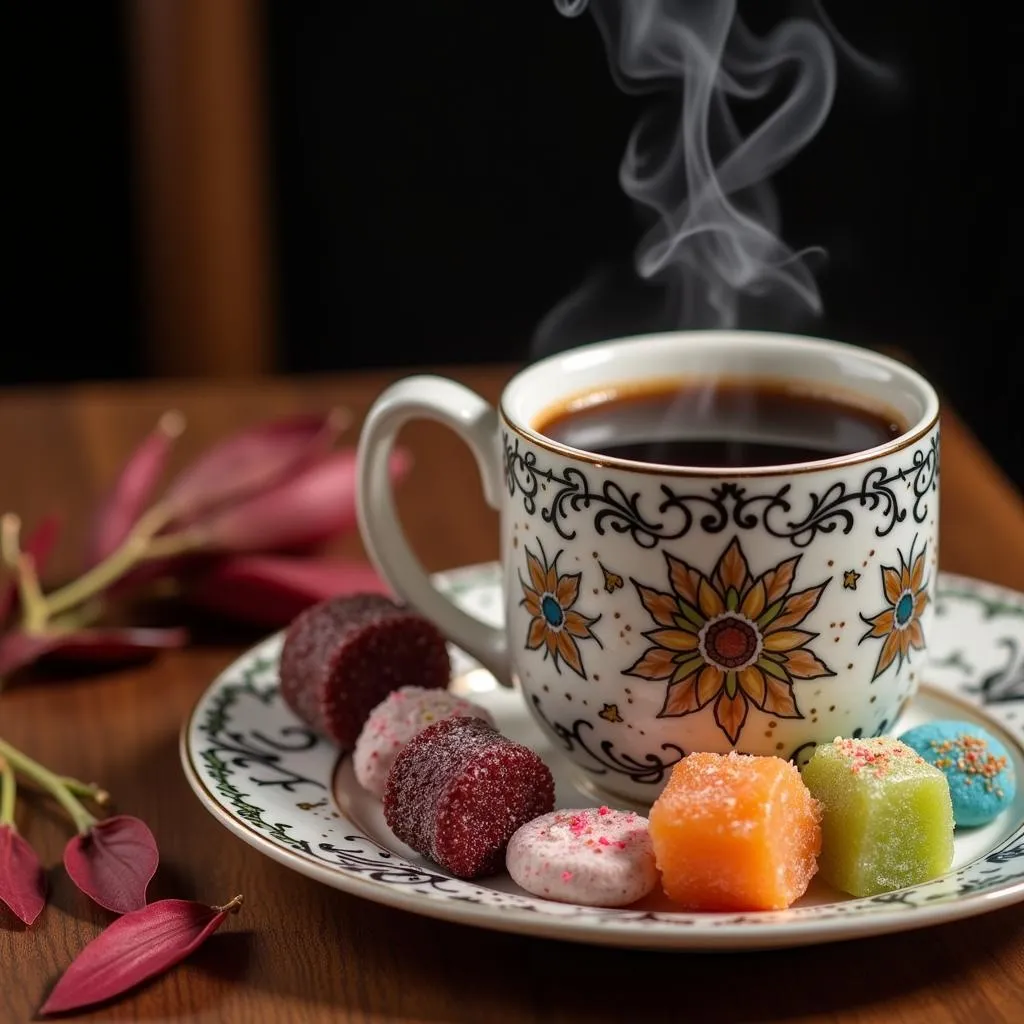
(722, 424)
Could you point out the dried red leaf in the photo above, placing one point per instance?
(22, 880)
(270, 590)
(113, 862)
(39, 544)
(117, 644)
(19, 649)
(134, 948)
(42, 540)
(113, 645)
(301, 512)
(133, 492)
(249, 462)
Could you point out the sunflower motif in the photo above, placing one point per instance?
(729, 638)
(555, 625)
(906, 592)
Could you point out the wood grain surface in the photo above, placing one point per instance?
(302, 952)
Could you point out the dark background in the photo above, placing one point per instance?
(443, 173)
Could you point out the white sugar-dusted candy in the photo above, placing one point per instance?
(597, 857)
(392, 723)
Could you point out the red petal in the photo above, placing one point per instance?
(249, 462)
(270, 590)
(114, 645)
(304, 511)
(113, 862)
(42, 540)
(133, 492)
(20, 649)
(22, 881)
(39, 544)
(133, 948)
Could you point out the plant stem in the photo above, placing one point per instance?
(87, 789)
(23, 566)
(8, 791)
(10, 545)
(32, 600)
(134, 548)
(232, 904)
(53, 784)
(82, 616)
(173, 544)
(141, 544)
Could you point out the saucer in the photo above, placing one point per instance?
(282, 789)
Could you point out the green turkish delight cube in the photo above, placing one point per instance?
(888, 817)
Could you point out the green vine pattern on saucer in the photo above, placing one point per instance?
(272, 777)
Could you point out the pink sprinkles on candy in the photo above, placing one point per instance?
(553, 856)
(872, 756)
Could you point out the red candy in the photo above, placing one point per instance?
(458, 792)
(342, 657)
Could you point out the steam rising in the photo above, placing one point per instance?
(715, 242)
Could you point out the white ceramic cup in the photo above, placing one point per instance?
(651, 610)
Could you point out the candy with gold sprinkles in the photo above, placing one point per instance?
(978, 767)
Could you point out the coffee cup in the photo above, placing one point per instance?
(710, 541)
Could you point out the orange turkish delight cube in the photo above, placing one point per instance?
(735, 832)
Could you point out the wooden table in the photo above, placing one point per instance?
(302, 952)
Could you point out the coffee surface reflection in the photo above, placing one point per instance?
(728, 423)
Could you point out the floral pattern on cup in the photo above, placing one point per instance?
(729, 639)
(906, 595)
(760, 679)
(555, 625)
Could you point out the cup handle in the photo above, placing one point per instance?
(476, 422)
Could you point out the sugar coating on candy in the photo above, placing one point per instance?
(458, 792)
(978, 768)
(597, 857)
(735, 832)
(888, 817)
(342, 657)
(392, 723)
